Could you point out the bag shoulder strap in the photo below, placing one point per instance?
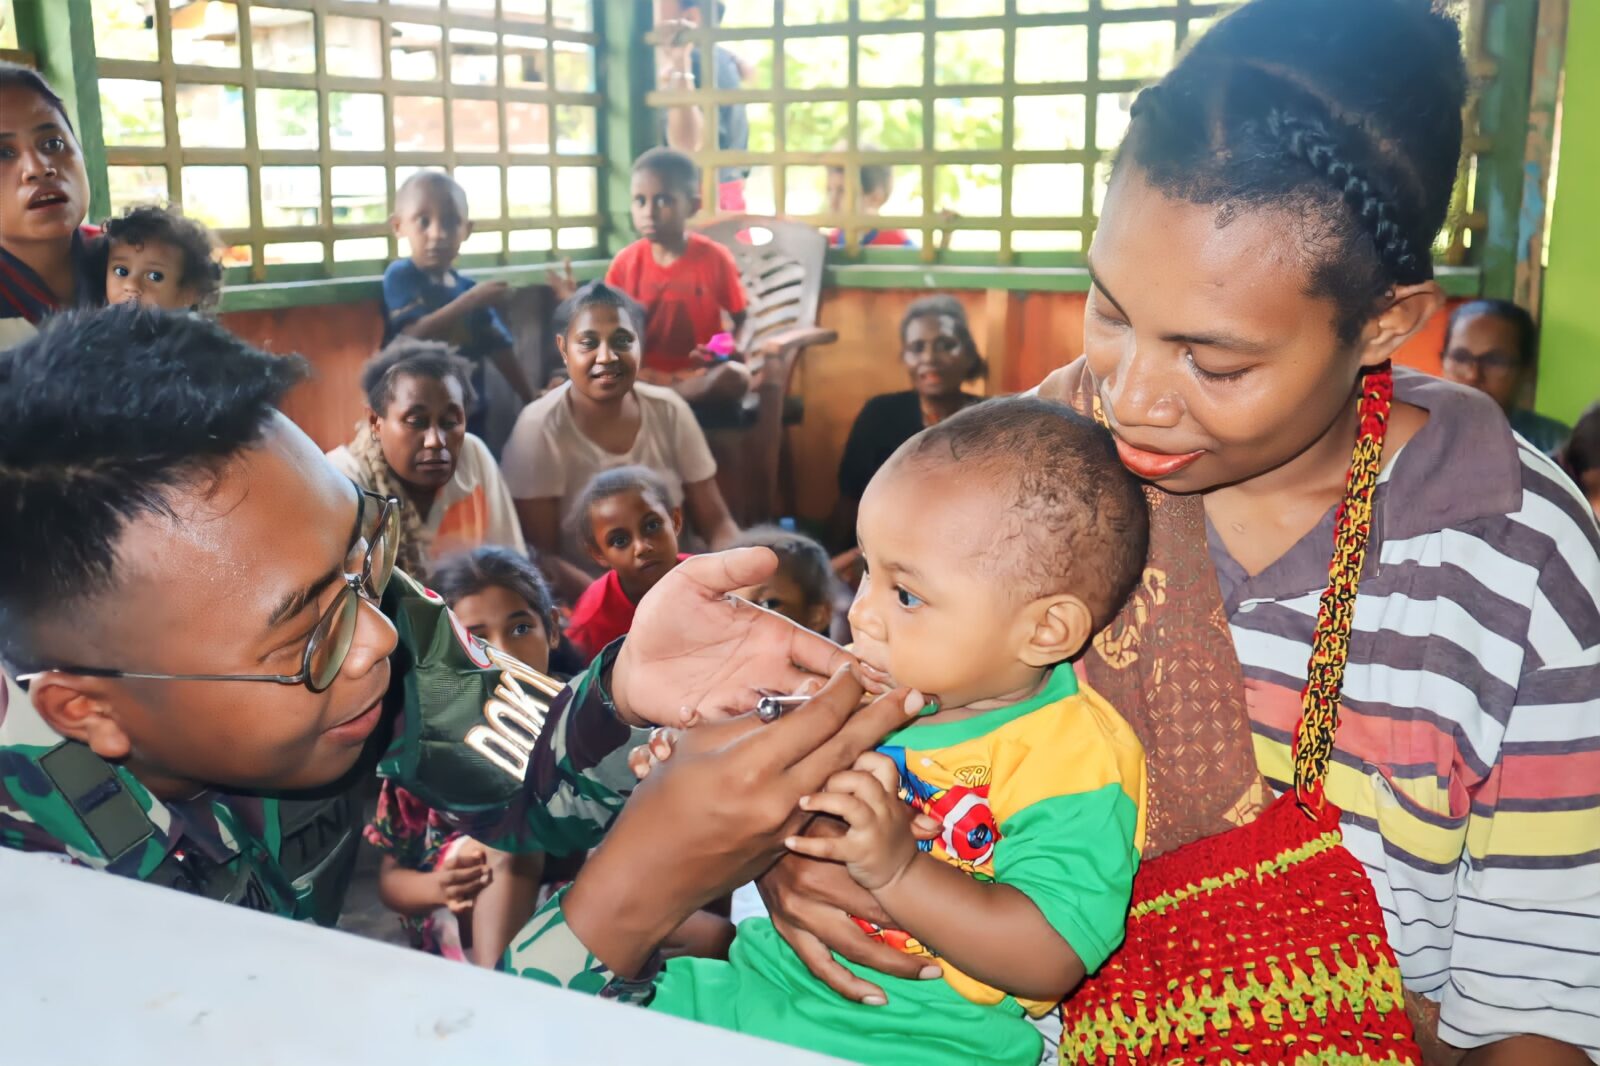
(1330, 643)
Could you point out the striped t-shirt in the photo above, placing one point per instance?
(1468, 755)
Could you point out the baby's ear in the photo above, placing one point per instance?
(1056, 628)
(677, 521)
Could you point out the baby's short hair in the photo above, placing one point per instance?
(1076, 521)
(803, 559)
(675, 169)
(202, 273)
(615, 482)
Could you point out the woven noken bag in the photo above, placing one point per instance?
(1264, 943)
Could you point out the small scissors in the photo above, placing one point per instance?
(771, 708)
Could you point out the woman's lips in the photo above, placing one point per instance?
(1153, 466)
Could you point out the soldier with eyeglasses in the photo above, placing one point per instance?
(212, 649)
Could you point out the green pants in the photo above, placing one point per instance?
(765, 990)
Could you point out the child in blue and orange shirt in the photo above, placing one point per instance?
(685, 281)
(626, 519)
(425, 296)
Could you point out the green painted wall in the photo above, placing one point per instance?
(1569, 353)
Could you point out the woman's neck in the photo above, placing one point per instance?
(605, 421)
(52, 261)
(1320, 467)
(420, 498)
(1261, 519)
(938, 408)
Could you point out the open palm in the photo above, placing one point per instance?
(695, 649)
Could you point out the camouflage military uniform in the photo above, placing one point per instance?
(460, 730)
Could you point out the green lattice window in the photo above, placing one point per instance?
(995, 118)
(286, 125)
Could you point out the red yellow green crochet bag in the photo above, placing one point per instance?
(1265, 943)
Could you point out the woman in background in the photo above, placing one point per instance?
(414, 446)
(940, 355)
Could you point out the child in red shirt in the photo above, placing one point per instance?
(685, 281)
(628, 523)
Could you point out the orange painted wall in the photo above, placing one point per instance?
(1024, 336)
(337, 339)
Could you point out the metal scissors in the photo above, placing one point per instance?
(771, 708)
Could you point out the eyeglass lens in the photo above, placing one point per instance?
(330, 642)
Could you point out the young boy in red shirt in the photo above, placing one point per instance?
(685, 281)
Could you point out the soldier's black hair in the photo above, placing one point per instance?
(104, 415)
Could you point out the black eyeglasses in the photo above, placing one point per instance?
(330, 641)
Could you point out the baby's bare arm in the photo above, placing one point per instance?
(990, 931)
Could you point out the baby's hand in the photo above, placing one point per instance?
(879, 845)
(656, 750)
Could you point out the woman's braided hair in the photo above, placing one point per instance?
(411, 554)
(1310, 140)
(1345, 114)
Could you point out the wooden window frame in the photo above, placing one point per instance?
(54, 23)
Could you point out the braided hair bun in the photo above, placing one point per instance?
(1344, 113)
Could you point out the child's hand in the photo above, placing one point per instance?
(463, 872)
(674, 48)
(878, 846)
(657, 749)
(484, 294)
(848, 567)
(561, 280)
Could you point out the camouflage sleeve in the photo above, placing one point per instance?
(503, 752)
(547, 950)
